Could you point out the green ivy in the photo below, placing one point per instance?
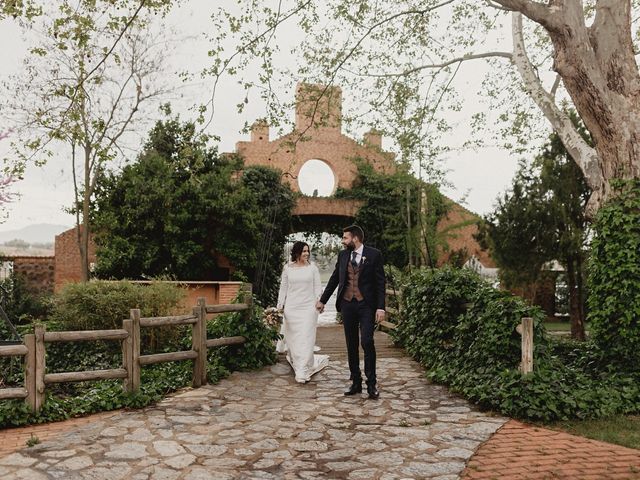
(614, 276)
(383, 214)
(463, 331)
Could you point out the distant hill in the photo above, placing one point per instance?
(39, 233)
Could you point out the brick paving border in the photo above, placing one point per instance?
(13, 439)
(521, 451)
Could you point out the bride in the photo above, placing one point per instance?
(299, 291)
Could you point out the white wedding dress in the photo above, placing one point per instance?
(300, 289)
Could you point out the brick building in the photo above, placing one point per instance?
(317, 135)
(67, 258)
(37, 272)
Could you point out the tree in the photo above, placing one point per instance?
(402, 58)
(180, 204)
(614, 278)
(540, 220)
(517, 233)
(5, 182)
(564, 187)
(392, 215)
(83, 86)
(19, 9)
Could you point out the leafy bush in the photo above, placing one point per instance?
(614, 277)
(21, 305)
(103, 304)
(432, 301)
(463, 331)
(258, 349)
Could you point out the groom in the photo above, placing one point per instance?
(359, 276)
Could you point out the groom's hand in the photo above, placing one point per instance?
(319, 306)
(380, 316)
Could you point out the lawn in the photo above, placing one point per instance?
(560, 326)
(622, 429)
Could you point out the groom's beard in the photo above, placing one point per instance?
(350, 246)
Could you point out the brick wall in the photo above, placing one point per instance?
(459, 226)
(67, 258)
(323, 140)
(37, 272)
(228, 292)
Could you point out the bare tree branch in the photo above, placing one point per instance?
(536, 11)
(241, 49)
(464, 58)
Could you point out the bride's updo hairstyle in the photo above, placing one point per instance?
(296, 250)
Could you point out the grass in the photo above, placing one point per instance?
(560, 326)
(557, 326)
(622, 429)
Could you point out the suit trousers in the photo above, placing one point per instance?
(357, 315)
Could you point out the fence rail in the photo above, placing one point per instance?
(392, 313)
(13, 350)
(34, 349)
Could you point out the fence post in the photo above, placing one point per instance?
(135, 349)
(526, 330)
(40, 366)
(30, 370)
(127, 355)
(199, 344)
(247, 297)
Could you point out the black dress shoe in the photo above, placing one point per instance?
(373, 392)
(354, 388)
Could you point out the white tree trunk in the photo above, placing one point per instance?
(598, 68)
(584, 155)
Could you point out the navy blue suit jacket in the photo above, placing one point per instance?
(371, 281)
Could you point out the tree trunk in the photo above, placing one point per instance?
(599, 71)
(84, 234)
(580, 283)
(575, 307)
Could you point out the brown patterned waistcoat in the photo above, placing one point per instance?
(351, 289)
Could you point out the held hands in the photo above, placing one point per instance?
(319, 306)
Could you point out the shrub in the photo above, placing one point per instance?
(258, 349)
(21, 305)
(104, 304)
(432, 300)
(614, 277)
(463, 331)
(101, 304)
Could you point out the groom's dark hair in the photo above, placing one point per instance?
(355, 231)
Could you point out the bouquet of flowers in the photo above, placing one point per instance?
(272, 317)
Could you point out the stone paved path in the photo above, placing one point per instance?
(262, 425)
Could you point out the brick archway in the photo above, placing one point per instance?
(325, 163)
(319, 123)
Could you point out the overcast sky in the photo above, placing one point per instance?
(478, 176)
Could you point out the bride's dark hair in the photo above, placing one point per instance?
(297, 249)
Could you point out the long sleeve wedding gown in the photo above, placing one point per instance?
(300, 288)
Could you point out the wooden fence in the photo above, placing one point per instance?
(392, 313)
(34, 349)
